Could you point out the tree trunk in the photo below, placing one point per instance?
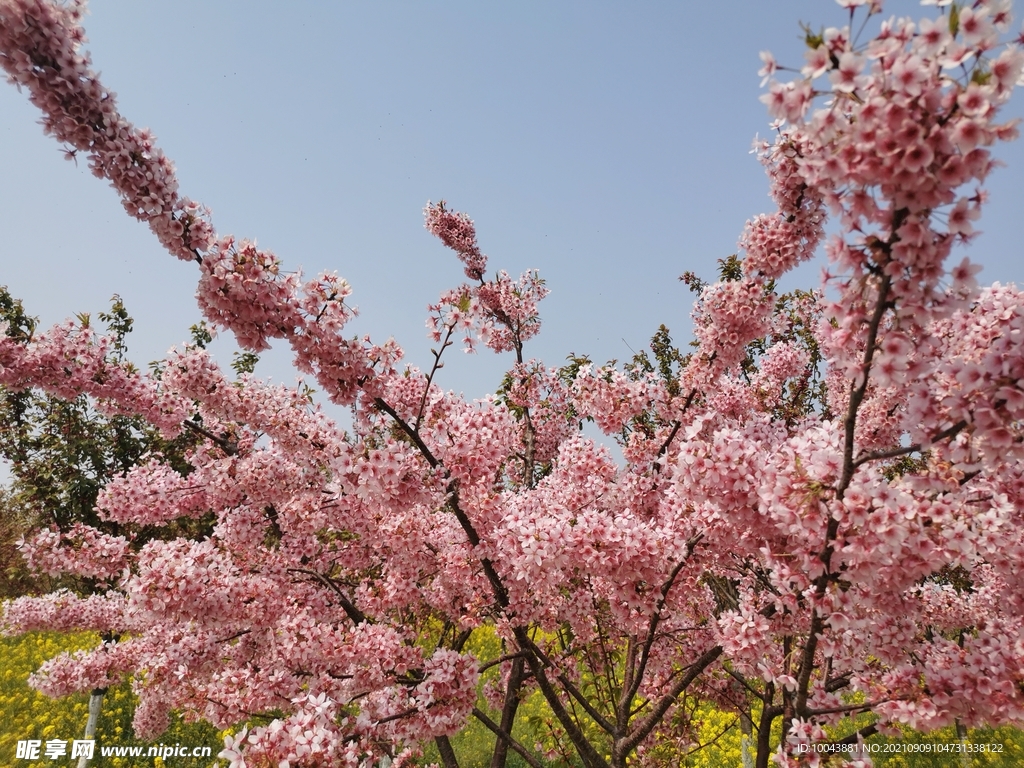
(95, 705)
(965, 756)
(508, 712)
(764, 728)
(746, 730)
(444, 748)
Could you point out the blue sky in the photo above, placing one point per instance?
(605, 144)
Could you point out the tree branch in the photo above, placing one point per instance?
(501, 660)
(357, 616)
(637, 677)
(650, 722)
(903, 451)
(590, 756)
(413, 434)
(444, 749)
(230, 447)
(515, 745)
(430, 378)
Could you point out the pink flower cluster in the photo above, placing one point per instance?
(40, 41)
(775, 244)
(980, 379)
(243, 276)
(81, 550)
(151, 494)
(730, 315)
(63, 611)
(457, 232)
(72, 359)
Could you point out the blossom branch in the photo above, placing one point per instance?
(636, 678)
(356, 615)
(433, 370)
(230, 447)
(903, 451)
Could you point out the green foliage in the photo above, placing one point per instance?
(668, 361)
(905, 465)
(15, 578)
(200, 333)
(568, 372)
(730, 268)
(20, 325)
(811, 38)
(119, 324)
(244, 362)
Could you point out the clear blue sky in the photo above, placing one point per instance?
(605, 144)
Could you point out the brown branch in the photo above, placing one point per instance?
(590, 756)
(743, 681)
(807, 656)
(858, 393)
(230, 447)
(234, 636)
(509, 709)
(671, 436)
(399, 715)
(444, 749)
(675, 429)
(500, 593)
(357, 616)
(430, 377)
(849, 467)
(515, 745)
(589, 708)
(637, 677)
(569, 686)
(903, 451)
(501, 660)
(413, 434)
(650, 722)
(460, 640)
(837, 683)
(843, 708)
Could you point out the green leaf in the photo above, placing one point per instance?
(981, 76)
(201, 335)
(812, 39)
(730, 268)
(244, 362)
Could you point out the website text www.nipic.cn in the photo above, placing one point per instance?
(52, 749)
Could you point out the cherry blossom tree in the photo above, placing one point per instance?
(818, 511)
